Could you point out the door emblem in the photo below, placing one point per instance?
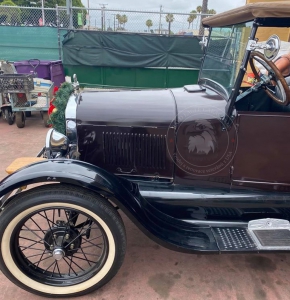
(202, 137)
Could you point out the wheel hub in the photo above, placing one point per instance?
(62, 240)
(58, 254)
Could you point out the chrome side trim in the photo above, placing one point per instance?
(186, 195)
(260, 182)
(146, 176)
(216, 223)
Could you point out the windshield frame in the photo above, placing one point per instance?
(236, 69)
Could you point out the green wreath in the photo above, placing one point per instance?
(57, 117)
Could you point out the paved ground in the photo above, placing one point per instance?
(152, 272)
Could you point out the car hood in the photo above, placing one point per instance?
(153, 108)
(134, 133)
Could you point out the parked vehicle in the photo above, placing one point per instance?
(5, 101)
(36, 98)
(201, 169)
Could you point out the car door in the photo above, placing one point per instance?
(263, 149)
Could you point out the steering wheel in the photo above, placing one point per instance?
(274, 75)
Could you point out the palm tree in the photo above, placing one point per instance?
(118, 17)
(203, 11)
(123, 20)
(211, 11)
(149, 24)
(199, 9)
(191, 17)
(169, 20)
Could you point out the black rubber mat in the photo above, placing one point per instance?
(273, 237)
(233, 239)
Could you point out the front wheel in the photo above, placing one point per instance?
(61, 241)
(45, 118)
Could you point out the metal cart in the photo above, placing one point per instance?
(27, 94)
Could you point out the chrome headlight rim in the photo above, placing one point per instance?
(56, 143)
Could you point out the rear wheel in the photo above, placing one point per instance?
(9, 116)
(61, 241)
(20, 119)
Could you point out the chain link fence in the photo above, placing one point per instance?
(27, 16)
(103, 19)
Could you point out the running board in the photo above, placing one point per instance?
(270, 234)
(262, 234)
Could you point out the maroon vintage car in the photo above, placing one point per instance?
(203, 168)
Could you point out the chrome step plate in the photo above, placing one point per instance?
(270, 234)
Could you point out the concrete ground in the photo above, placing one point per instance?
(151, 271)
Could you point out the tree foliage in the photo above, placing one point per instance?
(211, 11)
(9, 15)
(8, 3)
(149, 24)
(203, 10)
(15, 2)
(169, 19)
(191, 17)
(118, 16)
(199, 9)
(47, 3)
(122, 20)
(32, 16)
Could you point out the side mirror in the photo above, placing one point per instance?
(272, 47)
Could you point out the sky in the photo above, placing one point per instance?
(137, 21)
(168, 5)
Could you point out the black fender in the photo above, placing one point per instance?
(163, 229)
(67, 171)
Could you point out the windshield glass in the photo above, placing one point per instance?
(225, 50)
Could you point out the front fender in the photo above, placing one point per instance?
(165, 230)
(68, 171)
(122, 192)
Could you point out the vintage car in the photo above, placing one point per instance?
(200, 169)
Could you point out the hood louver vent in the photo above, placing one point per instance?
(134, 150)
